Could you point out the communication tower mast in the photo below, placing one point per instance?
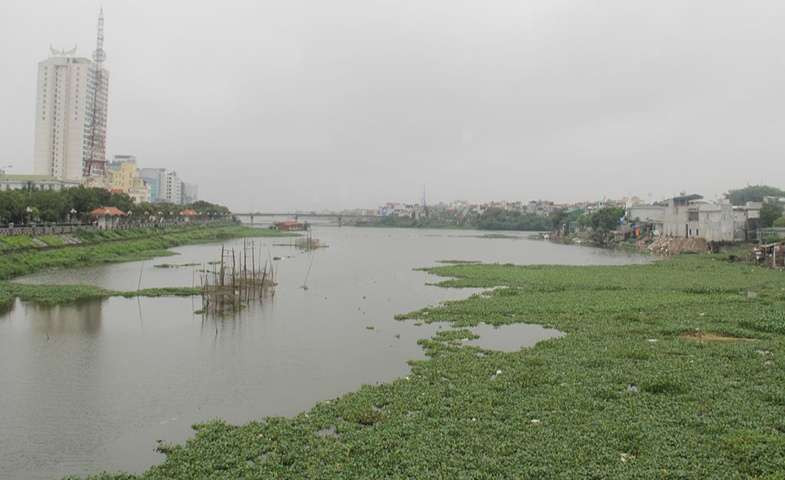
(96, 161)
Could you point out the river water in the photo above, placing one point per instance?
(92, 387)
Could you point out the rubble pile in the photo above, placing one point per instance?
(674, 246)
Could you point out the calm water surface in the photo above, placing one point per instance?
(92, 387)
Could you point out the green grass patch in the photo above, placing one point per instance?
(622, 395)
(52, 240)
(16, 242)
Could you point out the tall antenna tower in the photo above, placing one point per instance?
(424, 204)
(96, 162)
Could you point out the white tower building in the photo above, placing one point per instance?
(171, 188)
(70, 117)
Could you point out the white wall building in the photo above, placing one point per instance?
(647, 214)
(68, 110)
(171, 188)
(34, 182)
(689, 216)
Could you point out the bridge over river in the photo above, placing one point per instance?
(339, 219)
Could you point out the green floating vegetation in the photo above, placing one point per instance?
(65, 294)
(500, 236)
(458, 262)
(160, 292)
(623, 395)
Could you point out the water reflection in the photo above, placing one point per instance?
(510, 338)
(81, 319)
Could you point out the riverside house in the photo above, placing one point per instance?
(690, 216)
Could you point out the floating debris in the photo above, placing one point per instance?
(329, 432)
(175, 265)
(308, 243)
(700, 336)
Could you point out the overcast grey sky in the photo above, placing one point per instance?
(277, 105)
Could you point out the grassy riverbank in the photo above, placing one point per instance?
(106, 247)
(668, 370)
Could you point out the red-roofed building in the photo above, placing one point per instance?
(290, 225)
(188, 214)
(107, 217)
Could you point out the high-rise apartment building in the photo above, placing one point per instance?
(165, 185)
(152, 177)
(190, 193)
(172, 188)
(70, 116)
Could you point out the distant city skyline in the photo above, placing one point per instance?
(308, 105)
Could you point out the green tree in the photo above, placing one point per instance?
(558, 218)
(12, 207)
(769, 213)
(753, 193)
(206, 208)
(52, 206)
(501, 219)
(606, 219)
(779, 223)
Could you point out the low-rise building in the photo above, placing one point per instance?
(35, 182)
(124, 176)
(689, 216)
(647, 215)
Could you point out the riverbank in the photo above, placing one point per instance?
(109, 247)
(667, 369)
